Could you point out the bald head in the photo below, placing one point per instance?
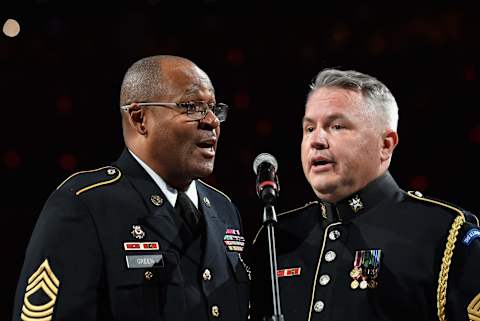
(148, 78)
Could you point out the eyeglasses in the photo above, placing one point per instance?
(196, 110)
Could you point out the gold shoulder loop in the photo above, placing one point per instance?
(115, 178)
(81, 172)
(417, 195)
(113, 173)
(219, 191)
(283, 213)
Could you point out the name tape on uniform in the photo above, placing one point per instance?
(144, 261)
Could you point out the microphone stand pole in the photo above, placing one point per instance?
(269, 219)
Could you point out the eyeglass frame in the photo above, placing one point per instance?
(185, 106)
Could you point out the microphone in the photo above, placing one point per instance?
(265, 166)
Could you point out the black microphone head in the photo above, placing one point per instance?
(264, 157)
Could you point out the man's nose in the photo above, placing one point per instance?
(319, 140)
(210, 120)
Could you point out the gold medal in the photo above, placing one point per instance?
(356, 272)
(354, 284)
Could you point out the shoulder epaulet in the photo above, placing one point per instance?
(469, 217)
(216, 190)
(284, 213)
(86, 180)
(472, 218)
(417, 195)
(448, 252)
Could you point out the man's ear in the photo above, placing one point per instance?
(390, 141)
(137, 119)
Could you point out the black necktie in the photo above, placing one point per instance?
(187, 210)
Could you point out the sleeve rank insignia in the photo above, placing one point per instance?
(40, 294)
(473, 309)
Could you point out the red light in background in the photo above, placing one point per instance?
(64, 104)
(419, 183)
(235, 56)
(469, 73)
(263, 128)
(377, 45)
(12, 159)
(68, 162)
(474, 135)
(241, 101)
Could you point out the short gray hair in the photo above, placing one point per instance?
(376, 94)
(145, 79)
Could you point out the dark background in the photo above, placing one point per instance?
(60, 80)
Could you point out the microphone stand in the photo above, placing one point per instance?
(269, 219)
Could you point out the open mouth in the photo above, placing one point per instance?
(206, 145)
(320, 162)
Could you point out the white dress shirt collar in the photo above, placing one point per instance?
(169, 192)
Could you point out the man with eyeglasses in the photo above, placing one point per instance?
(144, 238)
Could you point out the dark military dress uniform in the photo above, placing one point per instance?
(109, 246)
(381, 254)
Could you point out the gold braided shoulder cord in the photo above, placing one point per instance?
(447, 254)
(445, 267)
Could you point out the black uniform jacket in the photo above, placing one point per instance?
(105, 247)
(393, 241)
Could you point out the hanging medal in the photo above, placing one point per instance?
(357, 270)
(374, 269)
(365, 264)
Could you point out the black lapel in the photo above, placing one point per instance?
(159, 218)
(215, 250)
(215, 226)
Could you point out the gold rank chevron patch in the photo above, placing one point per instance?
(473, 309)
(43, 279)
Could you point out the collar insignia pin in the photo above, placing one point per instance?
(207, 202)
(323, 210)
(137, 232)
(356, 204)
(156, 200)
